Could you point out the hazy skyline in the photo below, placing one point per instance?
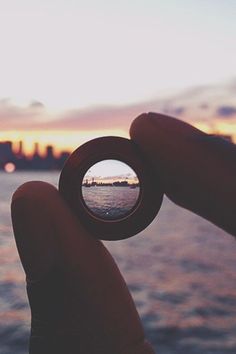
(87, 68)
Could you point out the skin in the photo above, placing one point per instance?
(79, 300)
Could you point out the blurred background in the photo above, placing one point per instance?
(75, 70)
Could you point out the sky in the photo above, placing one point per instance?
(110, 171)
(74, 70)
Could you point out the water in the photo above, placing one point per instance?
(181, 271)
(110, 203)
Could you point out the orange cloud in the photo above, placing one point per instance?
(205, 106)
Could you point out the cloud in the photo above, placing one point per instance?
(15, 117)
(112, 117)
(197, 104)
(204, 106)
(97, 118)
(226, 111)
(36, 104)
(232, 86)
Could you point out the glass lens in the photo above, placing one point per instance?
(110, 189)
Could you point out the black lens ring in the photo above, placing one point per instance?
(126, 151)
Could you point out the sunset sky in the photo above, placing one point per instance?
(74, 70)
(110, 171)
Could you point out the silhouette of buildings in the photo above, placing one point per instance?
(35, 162)
(109, 184)
(20, 161)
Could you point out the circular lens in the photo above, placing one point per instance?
(110, 189)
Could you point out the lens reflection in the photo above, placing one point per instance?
(110, 189)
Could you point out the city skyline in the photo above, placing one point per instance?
(18, 148)
(50, 157)
(16, 160)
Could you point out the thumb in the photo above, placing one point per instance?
(79, 300)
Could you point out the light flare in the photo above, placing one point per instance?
(9, 167)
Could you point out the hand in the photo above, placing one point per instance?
(78, 298)
(197, 170)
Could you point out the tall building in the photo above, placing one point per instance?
(20, 148)
(6, 153)
(49, 152)
(36, 149)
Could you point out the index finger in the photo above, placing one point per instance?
(197, 170)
